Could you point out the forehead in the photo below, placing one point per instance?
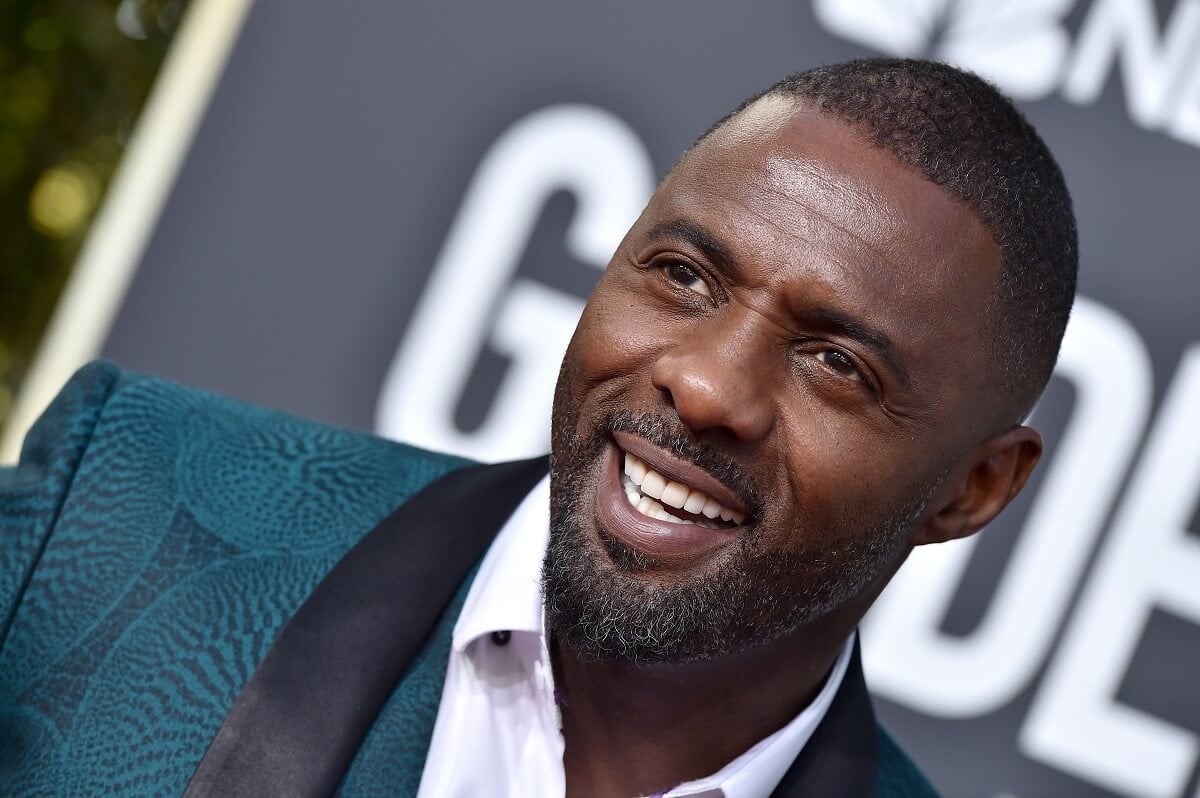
(794, 175)
(810, 209)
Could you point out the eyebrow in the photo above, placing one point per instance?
(691, 233)
(823, 316)
(836, 321)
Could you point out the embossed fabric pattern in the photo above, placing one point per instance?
(896, 775)
(155, 539)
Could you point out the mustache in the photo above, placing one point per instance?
(674, 437)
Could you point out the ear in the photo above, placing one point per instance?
(987, 481)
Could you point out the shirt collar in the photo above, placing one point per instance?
(507, 592)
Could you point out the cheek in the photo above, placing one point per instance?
(616, 340)
(839, 480)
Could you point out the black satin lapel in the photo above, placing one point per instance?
(840, 759)
(296, 725)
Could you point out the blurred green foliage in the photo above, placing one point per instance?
(73, 77)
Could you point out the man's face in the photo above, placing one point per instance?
(783, 358)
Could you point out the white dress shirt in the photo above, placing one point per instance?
(498, 731)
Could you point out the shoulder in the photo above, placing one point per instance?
(122, 465)
(123, 457)
(134, 431)
(105, 417)
(896, 775)
(162, 536)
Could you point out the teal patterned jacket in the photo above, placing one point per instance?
(138, 593)
(154, 540)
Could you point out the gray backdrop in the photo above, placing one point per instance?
(392, 211)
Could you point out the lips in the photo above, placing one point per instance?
(669, 509)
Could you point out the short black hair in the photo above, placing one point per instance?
(963, 135)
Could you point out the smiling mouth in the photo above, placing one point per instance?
(657, 496)
(671, 510)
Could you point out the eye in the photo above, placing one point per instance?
(686, 277)
(839, 362)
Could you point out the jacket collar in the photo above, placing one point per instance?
(841, 757)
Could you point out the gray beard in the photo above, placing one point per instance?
(608, 609)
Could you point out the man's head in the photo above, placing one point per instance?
(824, 329)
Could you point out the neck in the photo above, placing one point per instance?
(635, 729)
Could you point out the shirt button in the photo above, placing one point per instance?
(502, 637)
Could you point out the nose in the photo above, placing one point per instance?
(718, 377)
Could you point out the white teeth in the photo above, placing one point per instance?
(635, 468)
(663, 515)
(675, 494)
(653, 484)
(730, 515)
(643, 485)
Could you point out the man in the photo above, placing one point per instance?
(812, 352)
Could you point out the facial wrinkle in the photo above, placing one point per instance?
(781, 181)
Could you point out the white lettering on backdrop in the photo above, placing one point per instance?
(472, 298)
(1022, 46)
(1149, 561)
